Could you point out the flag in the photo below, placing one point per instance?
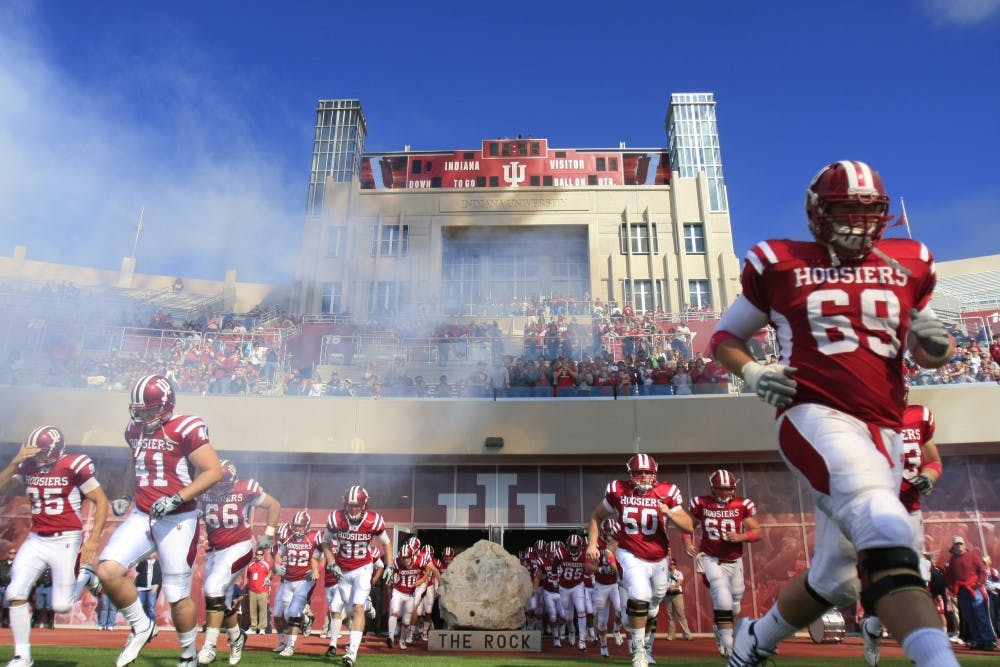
(901, 220)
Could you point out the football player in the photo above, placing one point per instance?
(56, 484)
(174, 463)
(407, 575)
(297, 561)
(353, 528)
(921, 471)
(643, 506)
(846, 305)
(727, 521)
(572, 593)
(607, 601)
(226, 508)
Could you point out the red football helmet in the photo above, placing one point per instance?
(540, 546)
(556, 550)
(355, 503)
(723, 485)
(50, 443)
(575, 545)
(406, 553)
(301, 523)
(283, 533)
(414, 543)
(642, 470)
(852, 231)
(447, 554)
(153, 400)
(610, 528)
(429, 549)
(230, 475)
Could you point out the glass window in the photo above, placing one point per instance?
(601, 164)
(332, 298)
(636, 236)
(699, 295)
(336, 241)
(494, 149)
(395, 240)
(613, 164)
(643, 298)
(694, 237)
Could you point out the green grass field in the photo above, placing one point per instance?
(51, 656)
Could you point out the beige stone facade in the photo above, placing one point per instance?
(342, 250)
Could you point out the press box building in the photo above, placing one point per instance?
(516, 218)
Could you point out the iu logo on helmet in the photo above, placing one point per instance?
(513, 173)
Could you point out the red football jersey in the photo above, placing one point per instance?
(406, 576)
(571, 569)
(842, 326)
(716, 517)
(607, 570)
(227, 515)
(918, 430)
(354, 540)
(161, 464)
(297, 553)
(56, 492)
(643, 532)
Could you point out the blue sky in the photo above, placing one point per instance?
(202, 112)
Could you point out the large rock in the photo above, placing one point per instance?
(484, 588)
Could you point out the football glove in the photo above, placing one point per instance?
(773, 384)
(930, 334)
(334, 570)
(119, 506)
(923, 484)
(165, 505)
(265, 541)
(279, 569)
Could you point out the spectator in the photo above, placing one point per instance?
(5, 566)
(107, 613)
(675, 603)
(148, 579)
(43, 616)
(993, 590)
(259, 586)
(966, 575)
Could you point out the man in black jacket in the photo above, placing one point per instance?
(4, 580)
(148, 578)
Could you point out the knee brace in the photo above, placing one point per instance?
(885, 571)
(215, 603)
(176, 587)
(637, 608)
(723, 616)
(295, 622)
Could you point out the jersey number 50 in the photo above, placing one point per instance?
(637, 520)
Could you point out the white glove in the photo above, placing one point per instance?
(279, 569)
(265, 541)
(165, 505)
(119, 506)
(335, 570)
(931, 335)
(923, 484)
(773, 383)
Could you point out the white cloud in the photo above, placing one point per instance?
(79, 156)
(961, 12)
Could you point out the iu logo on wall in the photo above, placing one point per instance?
(514, 173)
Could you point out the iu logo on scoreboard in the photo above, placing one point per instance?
(513, 173)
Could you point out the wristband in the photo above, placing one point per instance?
(269, 531)
(752, 536)
(933, 465)
(686, 537)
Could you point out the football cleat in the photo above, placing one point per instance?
(746, 653)
(873, 642)
(604, 652)
(187, 660)
(582, 645)
(287, 652)
(279, 648)
(619, 638)
(18, 661)
(388, 641)
(206, 655)
(402, 644)
(331, 651)
(557, 642)
(134, 644)
(348, 660)
(236, 648)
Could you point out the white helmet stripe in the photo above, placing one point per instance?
(859, 177)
